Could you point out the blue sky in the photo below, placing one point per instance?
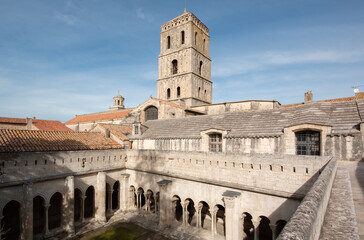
(65, 57)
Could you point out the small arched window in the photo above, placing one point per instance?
(178, 92)
(203, 45)
(183, 37)
(195, 38)
(174, 66)
(168, 93)
(168, 42)
(151, 113)
(200, 68)
(199, 92)
(205, 94)
(308, 143)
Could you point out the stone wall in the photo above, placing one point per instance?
(307, 221)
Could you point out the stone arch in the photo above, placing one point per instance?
(89, 206)
(11, 223)
(115, 195)
(55, 211)
(248, 227)
(150, 201)
(220, 219)
(132, 197)
(78, 203)
(140, 198)
(264, 230)
(191, 210)
(39, 215)
(205, 215)
(177, 208)
(280, 224)
(150, 112)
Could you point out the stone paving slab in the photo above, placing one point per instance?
(340, 219)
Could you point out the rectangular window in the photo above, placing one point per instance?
(215, 142)
(136, 129)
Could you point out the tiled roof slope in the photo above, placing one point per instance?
(343, 117)
(50, 125)
(358, 96)
(119, 131)
(39, 141)
(13, 120)
(99, 116)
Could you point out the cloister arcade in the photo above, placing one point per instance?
(48, 213)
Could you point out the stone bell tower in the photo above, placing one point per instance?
(184, 62)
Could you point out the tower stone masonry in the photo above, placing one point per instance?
(184, 62)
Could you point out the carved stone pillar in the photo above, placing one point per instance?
(100, 213)
(164, 202)
(46, 207)
(148, 195)
(232, 215)
(124, 192)
(109, 202)
(273, 228)
(256, 230)
(213, 220)
(185, 212)
(27, 212)
(82, 208)
(199, 209)
(69, 206)
(132, 198)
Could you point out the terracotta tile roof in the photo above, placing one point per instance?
(50, 125)
(119, 131)
(99, 116)
(169, 103)
(13, 120)
(40, 141)
(358, 96)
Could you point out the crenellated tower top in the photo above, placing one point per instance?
(184, 18)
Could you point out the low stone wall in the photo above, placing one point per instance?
(307, 221)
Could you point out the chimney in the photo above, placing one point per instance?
(29, 123)
(308, 97)
(107, 133)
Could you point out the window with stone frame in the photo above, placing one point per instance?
(183, 37)
(168, 42)
(178, 92)
(168, 93)
(308, 143)
(215, 142)
(151, 113)
(174, 66)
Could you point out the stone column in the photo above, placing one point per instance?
(109, 202)
(256, 230)
(273, 228)
(27, 212)
(132, 198)
(185, 212)
(82, 208)
(69, 206)
(232, 215)
(100, 213)
(46, 207)
(124, 192)
(164, 202)
(148, 194)
(199, 209)
(138, 197)
(213, 220)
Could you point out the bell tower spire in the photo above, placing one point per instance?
(184, 74)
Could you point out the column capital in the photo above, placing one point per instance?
(125, 175)
(199, 207)
(163, 184)
(229, 197)
(46, 205)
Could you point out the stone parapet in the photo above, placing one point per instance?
(307, 221)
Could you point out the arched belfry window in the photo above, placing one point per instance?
(183, 37)
(200, 68)
(215, 142)
(168, 42)
(168, 93)
(174, 66)
(151, 113)
(195, 38)
(178, 92)
(308, 142)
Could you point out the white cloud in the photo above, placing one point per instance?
(67, 19)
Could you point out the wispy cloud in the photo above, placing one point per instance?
(143, 15)
(67, 19)
(235, 65)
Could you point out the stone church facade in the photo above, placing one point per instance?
(240, 170)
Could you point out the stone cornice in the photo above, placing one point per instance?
(185, 17)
